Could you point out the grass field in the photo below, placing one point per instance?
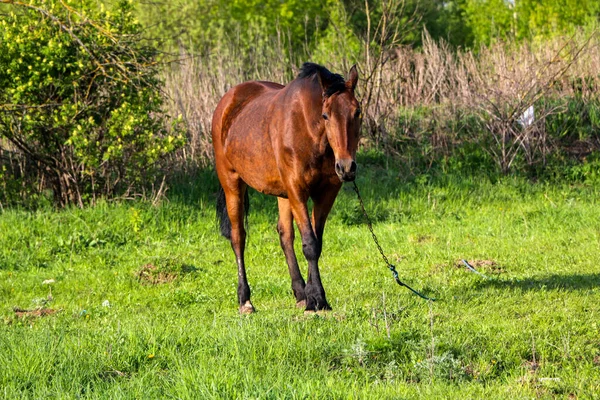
(146, 307)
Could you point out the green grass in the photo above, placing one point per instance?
(532, 330)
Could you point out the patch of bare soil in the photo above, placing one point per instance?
(38, 312)
(113, 374)
(580, 149)
(151, 275)
(531, 366)
(485, 265)
(421, 239)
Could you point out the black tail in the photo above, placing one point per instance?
(223, 217)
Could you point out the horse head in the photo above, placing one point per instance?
(342, 120)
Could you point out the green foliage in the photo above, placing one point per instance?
(466, 23)
(547, 18)
(579, 119)
(445, 20)
(489, 19)
(492, 20)
(81, 97)
(253, 24)
(448, 21)
(314, 29)
(318, 27)
(338, 41)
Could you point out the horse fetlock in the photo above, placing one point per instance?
(298, 289)
(243, 293)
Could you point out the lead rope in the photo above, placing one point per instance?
(389, 265)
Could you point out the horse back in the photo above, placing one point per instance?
(235, 102)
(240, 135)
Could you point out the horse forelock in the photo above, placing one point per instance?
(335, 82)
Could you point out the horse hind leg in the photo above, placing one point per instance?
(285, 228)
(234, 199)
(223, 217)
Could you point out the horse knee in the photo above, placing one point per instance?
(311, 249)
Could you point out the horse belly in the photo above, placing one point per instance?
(249, 151)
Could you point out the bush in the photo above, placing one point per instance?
(81, 111)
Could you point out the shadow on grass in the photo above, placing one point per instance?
(200, 186)
(550, 282)
(187, 186)
(194, 187)
(380, 179)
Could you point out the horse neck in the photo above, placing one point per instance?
(311, 97)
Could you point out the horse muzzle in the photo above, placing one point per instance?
(346, 170)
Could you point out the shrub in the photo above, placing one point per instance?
(81, 111)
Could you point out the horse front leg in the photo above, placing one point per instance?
(311, 247)
(323, 202)
(285, 227)
(234, 198)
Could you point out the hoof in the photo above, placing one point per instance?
(247, 308)
(315, 298)
(323, 306)
(301, 304)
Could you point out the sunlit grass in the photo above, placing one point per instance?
(530, 330)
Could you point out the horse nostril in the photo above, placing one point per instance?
(338, 168)
(353, 167)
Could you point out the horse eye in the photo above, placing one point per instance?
(357, 113)
(325, 116)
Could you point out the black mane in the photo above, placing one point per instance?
(334, 83)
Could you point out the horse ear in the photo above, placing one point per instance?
(323, 82)
(352, 78)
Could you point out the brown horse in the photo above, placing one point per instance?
(295, 142)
